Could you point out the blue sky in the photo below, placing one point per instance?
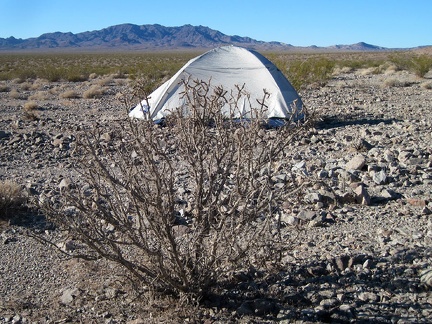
(388, 23)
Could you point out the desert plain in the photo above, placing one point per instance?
(359, 238)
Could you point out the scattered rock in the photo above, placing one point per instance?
(69, 295)
(356, 163)
(362, 196)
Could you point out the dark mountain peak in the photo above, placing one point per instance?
(152, 37)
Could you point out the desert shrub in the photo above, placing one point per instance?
(368, 71)
(31, 105)
(14, 94)
(12, 197)
(4, 88)
(185, 206)
(69, 94)
(39, 95)
(422, 64)
(26, 86)
(311, 71)
(30, 110)
(418, 64)
(105, 81)
(427, 85)
(393, 82)
(94, 91)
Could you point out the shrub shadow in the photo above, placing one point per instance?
(317, 292)
(336, 121)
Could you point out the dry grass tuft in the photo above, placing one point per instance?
(427, 85)
(4, 88)
(14, 94)
(11, 197)
(342, 70)
(40, 95)
(368, 71)
(30, 110)
(95, 91)
(393, 82)
(26, 86)
(70, 94)
(31, 105)
(39, 84)
(105, 81)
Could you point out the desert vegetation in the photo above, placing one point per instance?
(186, 206)
(302, 69)
(206, 219)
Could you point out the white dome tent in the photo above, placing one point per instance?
(228, 67)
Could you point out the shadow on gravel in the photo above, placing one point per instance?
(29, 218)
(329, 122)
(355, 287)
(385, 290)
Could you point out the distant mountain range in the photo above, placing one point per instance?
(153, 38)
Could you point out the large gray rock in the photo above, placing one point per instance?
(356, 163)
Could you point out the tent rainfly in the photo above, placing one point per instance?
(228, 66)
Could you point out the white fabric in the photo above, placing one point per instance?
(228, 66)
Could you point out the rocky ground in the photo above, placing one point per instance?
(360, 238)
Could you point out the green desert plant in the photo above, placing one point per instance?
(184, 206)
(418, 64)
(311, 71)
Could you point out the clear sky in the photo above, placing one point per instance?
(388, 23)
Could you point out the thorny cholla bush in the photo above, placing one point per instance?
(184, 206)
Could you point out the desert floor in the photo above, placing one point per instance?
(359, 261)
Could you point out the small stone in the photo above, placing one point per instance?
(388, 156)
(57, 142)
(362, 196)
(417, 202)
(322, 174)
(356, 163)
(313, 197)
(64, 184)
(380, 177)
(426, 211)
(306, 215)
(105, 137)
(329, 303)
(390, 194)
(404, 156)
(368, 296)
(69, 295)
(289, 220)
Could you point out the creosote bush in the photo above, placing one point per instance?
(182, 206)
(315, 71)
(418, 64)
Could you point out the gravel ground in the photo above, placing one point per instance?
(360, 237)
